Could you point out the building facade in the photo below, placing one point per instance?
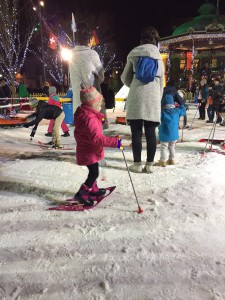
(196, 48)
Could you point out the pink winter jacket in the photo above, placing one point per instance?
(89, 136)
(54, 100)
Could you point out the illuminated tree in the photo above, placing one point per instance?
(15, 36)
(108, 57)
(53, 60)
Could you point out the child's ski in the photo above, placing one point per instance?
(48, 146)
(210, 140)
(74, 205)
(217, 151)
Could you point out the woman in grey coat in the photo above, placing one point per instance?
(85, 65)
(144, 100)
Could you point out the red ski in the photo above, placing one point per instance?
(217, 151)
(210, 140)
(48, 146)
(74, 205)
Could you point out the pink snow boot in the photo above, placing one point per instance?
(84, 196)
(95, 191)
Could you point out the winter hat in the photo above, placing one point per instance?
(167, 100)
(180, 93)
(52, 90)
(89, 95)
(33, 102)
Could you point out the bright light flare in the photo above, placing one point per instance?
(66, 54)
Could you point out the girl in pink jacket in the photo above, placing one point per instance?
(54, 100)
(90, 142)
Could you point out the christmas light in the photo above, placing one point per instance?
(107, 58)
(13, 45)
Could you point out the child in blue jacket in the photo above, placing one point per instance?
(169, 129)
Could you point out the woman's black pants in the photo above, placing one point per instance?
(136, 131)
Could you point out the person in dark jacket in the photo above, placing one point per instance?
(172, 90)
(46, 111)
(5, 91)
(202, 98)
(45, 89)
(215, 102)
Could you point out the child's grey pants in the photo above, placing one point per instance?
(163, 150)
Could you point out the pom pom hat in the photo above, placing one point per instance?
(52, 90)
(89, 95)
(33, 102)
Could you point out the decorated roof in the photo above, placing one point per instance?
(208, 21)
(204, 32)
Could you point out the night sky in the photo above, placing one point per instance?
(126, 20)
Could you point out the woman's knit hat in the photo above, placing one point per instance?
(52, 90)
(33, 102)
(89, 95)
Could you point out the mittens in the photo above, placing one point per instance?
(119, 143)
(26, 125)
(104, 121)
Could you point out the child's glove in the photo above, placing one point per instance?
(104, 121)
(119, 143)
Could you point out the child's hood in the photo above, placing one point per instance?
(85, 112)
(55, 97)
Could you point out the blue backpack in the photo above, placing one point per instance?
(146, 69)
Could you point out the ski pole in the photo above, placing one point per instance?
(212, 131)
(139, 208)
(193, 118)
(182, 132)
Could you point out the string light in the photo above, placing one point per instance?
(107, 58)
(13, 45)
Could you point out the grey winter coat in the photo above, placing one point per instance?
(85, 66)
(144, 100)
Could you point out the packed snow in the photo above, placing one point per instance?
(174, 250)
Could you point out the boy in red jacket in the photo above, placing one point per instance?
(90, 142)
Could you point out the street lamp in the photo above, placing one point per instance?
(41, 4)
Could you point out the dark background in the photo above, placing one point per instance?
(124, 20)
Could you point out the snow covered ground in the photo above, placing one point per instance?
(174, 250)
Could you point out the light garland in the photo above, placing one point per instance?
(13, 48)
(107, 58)
(53, 61)
(164, 43)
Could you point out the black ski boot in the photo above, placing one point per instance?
(95, 191)
(84, 196)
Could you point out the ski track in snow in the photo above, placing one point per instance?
(173, 251)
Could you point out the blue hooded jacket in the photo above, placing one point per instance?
(170, 116)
